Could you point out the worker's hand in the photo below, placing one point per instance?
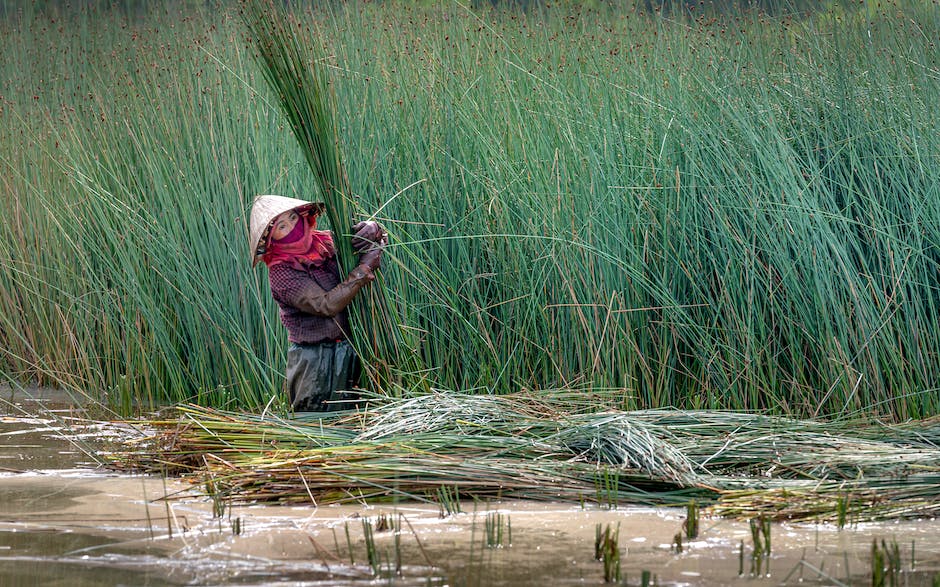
(366, 234)
(372, 257)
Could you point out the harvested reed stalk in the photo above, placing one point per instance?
(461, 446)
(293, 62)
(293, 68)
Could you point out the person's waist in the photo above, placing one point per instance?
(332, 342)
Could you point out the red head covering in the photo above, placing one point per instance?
(303, 246)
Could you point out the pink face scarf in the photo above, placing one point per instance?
(303, 246)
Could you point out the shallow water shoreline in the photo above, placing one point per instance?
(102, 523)
(63, 518)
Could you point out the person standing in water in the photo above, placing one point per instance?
(303, 271)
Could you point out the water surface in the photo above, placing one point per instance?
(66, 521)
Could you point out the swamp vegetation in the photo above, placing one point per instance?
(637, 256)
(722, 212)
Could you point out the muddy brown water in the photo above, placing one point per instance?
(66, 521)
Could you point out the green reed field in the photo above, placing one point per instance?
(739, 212)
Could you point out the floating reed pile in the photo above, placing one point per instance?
(530, 447)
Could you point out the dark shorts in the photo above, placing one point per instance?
(320, 375)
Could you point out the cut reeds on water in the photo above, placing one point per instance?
(522, 447)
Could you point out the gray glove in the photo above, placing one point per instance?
(372, 257)
(366, 234)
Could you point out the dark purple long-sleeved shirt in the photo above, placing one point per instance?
(294, 289)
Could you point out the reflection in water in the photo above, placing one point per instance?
(31, 556)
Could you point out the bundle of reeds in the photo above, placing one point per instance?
(522, 446)
(371, 456)
(293, 62)
(776, 447)
(888, 498)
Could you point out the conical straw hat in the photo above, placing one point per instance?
(263, 212)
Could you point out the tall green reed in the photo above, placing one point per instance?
(127, 233)
(716, 213)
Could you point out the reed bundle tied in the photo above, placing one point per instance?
(525, 446)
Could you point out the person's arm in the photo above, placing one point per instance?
(314, 300)
(298, 290)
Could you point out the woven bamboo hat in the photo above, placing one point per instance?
(263, 212)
